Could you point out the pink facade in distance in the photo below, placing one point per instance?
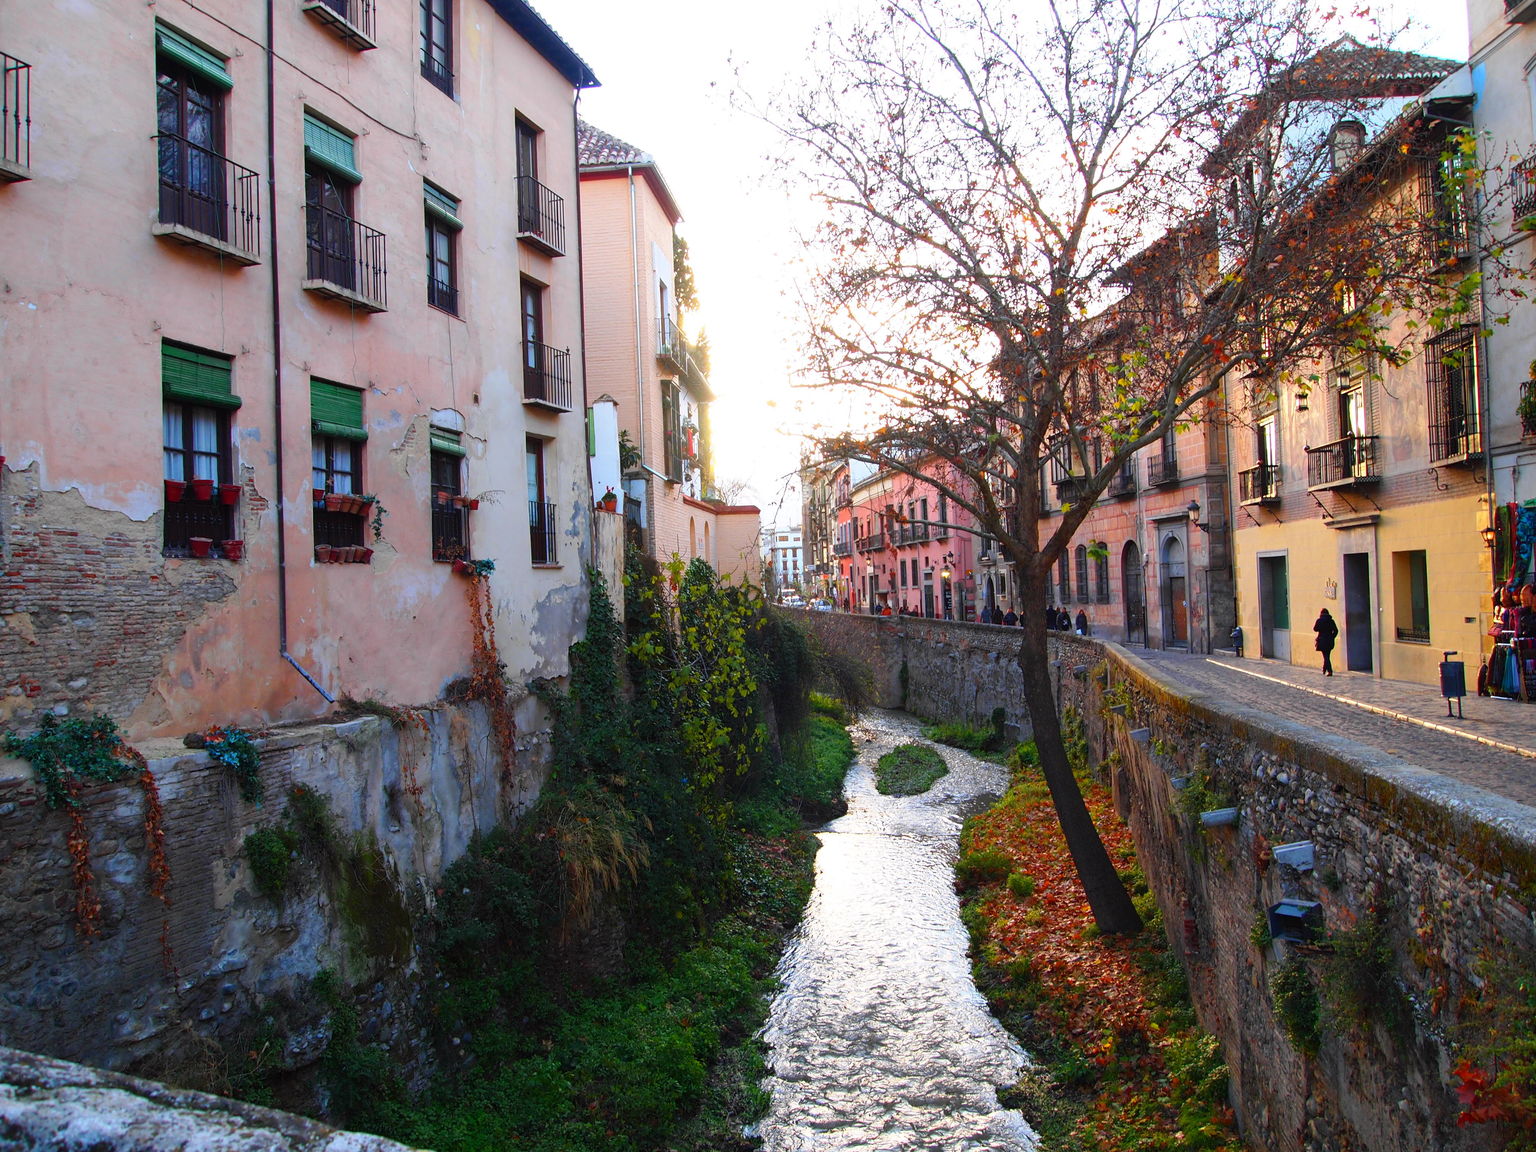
(122, 248)
(896, 536)
(639, 357)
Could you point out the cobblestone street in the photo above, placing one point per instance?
(1492, 746)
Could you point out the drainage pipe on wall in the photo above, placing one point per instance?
(277, 359)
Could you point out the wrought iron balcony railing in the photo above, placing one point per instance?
(1162, 470)
(842, 548)
(1523, 179)
(540, 216)
(345, 259)
(350, 21)
(15, 118)
(670, 345)
(1343, 463)
(1124, 483)
(541, 532)
(450, 527)
(443, 294)
(208, 200)
(1072, 489)
(872, 543)
(547, 376)
(1259, 484)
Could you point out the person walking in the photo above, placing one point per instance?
(1082, 622)
(1327, 632)
(1011, 618)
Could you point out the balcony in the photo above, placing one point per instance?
(1519, 11)
(671, 348)
(208, 201)
(1123, 486)
(547, 377)
(1259, 484)
(1162, 471)
(540, 216)
(1346, 463)
(350, 21)
(541, 533)
(872, 543)
(842, 548)
(1072, 490)
(1523, 186)
(450, 526)
(15, 119)
(345, 260)
(1455, 439)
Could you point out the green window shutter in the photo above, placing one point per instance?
(196, 377)
(194, 57)
(446, 441)
(331, 147)
(441, 206)
(336, 410)
(591, 435)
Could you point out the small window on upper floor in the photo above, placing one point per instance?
(443, 225)
(437, 43)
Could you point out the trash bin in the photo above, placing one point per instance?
(1453, 681)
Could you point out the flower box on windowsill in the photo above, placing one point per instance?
(200, 545)
(202, 490)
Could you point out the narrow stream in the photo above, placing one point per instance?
(878, 1038)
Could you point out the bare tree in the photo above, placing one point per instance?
(1063, 235)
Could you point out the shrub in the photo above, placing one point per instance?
(987, 866)
(1360, 977)
(908, 770)
(269, 854)
(1022, 887)
(1296, 1006)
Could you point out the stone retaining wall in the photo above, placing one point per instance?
(1449, 869)
(163, 990)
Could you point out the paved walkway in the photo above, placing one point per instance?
(1492, 746)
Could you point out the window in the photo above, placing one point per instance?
(330, 175)
(198, 460)
(1410, 595)
(189, 107)
(450, 530)
(541, 513)
(336, 463)
(442, 215)
(1082, 573)
(437, 43)
(671, 429)
(1452, 365)
(1063, 579)
(1101, 574)
(942, 531)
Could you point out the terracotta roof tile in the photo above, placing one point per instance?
(596, 149)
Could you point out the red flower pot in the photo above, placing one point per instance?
(175, 491)
(229, 494)
(366, 556)
(473, 505)
(461, 567)
(318, 495)
(200, 545)
(233, 549)
(333, 502)
(202, 489)
(322, 553)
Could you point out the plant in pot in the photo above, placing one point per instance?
(202, 488)
(1526, 409)
(200, 545)
(610, 501)
(334, 502)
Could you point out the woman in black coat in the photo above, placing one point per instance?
(1327, 632)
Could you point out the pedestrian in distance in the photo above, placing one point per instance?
(1050, 617)
(1011, 618)
(1063, 622)
(1327, 632)
(1082, 622)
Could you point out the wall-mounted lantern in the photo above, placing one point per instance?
(1299, 921)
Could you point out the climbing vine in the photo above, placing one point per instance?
(66, 755)
(234, 748)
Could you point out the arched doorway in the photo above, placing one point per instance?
(1131, 592)
(991, 600)
(1173, 587)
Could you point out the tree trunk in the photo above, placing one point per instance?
(1111, 904)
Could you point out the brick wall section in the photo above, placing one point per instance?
(111, 1001)
(1448, 862)
(89, 612)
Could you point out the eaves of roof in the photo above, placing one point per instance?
(546, 41)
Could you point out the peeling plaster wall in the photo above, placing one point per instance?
(119, 1002)
(1451, 866)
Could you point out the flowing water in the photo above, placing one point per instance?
(878, 1038)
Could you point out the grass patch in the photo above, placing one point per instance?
(908, 770)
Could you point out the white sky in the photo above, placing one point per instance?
(668, 72)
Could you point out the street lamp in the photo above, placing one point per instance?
(1194, 516)
(1490, 537)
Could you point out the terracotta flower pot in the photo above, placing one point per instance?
(366, 556)
(333, 501)
(322, 553)
(229, 494)
(233, 549)
(200, 545)
(472, 505)
(175, 491)
(202, 489)
(461, 567)
(610, 503)
(442, 497)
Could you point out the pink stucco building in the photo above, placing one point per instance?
(260, 255)
(639, 357)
